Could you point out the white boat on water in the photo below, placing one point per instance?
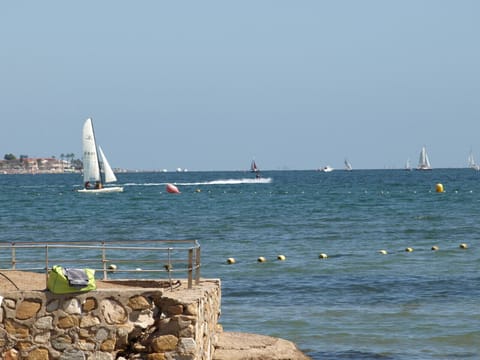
(96, 169)
(471, 162)
(326, 168)
(424, 162)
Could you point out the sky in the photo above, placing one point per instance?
(211, 85)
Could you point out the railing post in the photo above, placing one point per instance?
(169, 267)
(14, 260)
(104, 261)
(46, 265)
(190, 267)
(197, 266)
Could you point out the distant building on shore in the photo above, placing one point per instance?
(36, 166)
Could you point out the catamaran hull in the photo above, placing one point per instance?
(102, 190)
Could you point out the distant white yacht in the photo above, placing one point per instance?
(327, 168)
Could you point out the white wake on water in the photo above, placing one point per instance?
(212, 182)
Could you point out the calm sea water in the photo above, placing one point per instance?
(356, 304)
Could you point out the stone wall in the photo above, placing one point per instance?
(127, 322)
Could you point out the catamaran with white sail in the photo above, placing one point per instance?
(424, 162)
(96, 169)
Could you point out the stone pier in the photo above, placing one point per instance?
(125, 319)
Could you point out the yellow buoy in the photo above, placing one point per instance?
(439, 188)
(261, 259)
(409, 249)
(383, 252)
(281, 257)
(230, 261)
(323, 256)
(435, 247)
(463, 246)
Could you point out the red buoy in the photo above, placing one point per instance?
(172, 189)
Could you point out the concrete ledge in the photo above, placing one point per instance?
(245, 346)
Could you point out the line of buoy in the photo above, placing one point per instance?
(325, 256)
(259, 259)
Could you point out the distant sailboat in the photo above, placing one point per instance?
(408, 167)
(424, 162)
(348, 166)
(471, 162)
(253, 167)
(96, 169)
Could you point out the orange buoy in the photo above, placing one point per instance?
(172, 189)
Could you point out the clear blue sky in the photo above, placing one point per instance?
(209, 85)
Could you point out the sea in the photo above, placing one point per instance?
(347, 287)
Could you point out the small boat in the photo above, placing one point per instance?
(348, 166)
(408, 167)
(253, 167)
(327, 168)
(96, 169)
(424, 162)
(471, 162)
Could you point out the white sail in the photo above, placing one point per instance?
(471, 162)
(108, 172)
(91, 167)
(424, 162)
(407, 165)
(95, 164)
(348, 166)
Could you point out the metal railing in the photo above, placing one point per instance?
(111, 258)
